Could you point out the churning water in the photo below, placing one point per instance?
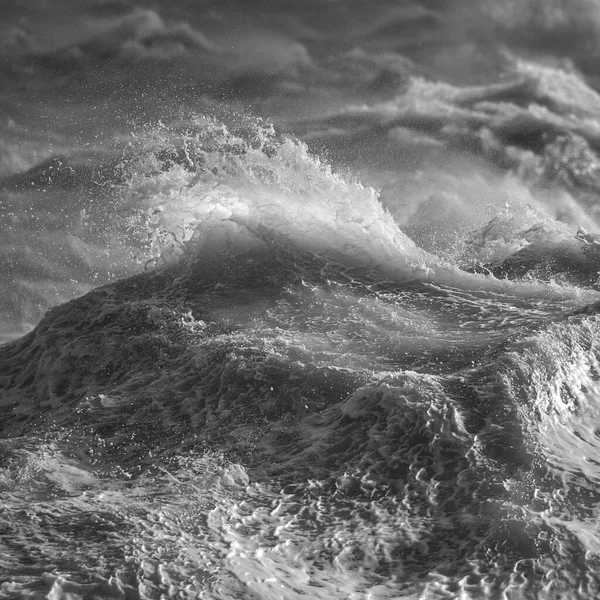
(299, 300)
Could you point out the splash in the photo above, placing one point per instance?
(202, 187)
(205, 180)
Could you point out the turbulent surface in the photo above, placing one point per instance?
(294, 302)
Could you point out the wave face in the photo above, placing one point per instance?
(294, 313)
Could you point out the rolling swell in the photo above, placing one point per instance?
(303, 401)
(405, 477)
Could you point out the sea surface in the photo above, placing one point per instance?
(300, 299)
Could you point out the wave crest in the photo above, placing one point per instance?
(192, 182)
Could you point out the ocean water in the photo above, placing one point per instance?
(299, 299)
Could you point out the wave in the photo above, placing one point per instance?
(136, 33)
(340, 399)
(59, 238)
(286, 364)
(552, 27)
(529, 111)
(196, 188)
(204, 183)
(258, 377)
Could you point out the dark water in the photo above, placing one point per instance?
(298, 299)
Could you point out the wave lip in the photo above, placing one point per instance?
(203, 182)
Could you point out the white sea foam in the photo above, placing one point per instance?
(300, 401)
(203, 182)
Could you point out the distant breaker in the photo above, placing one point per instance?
(591, 240)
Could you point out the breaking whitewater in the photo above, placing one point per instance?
(293, 399)
(349, 350)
